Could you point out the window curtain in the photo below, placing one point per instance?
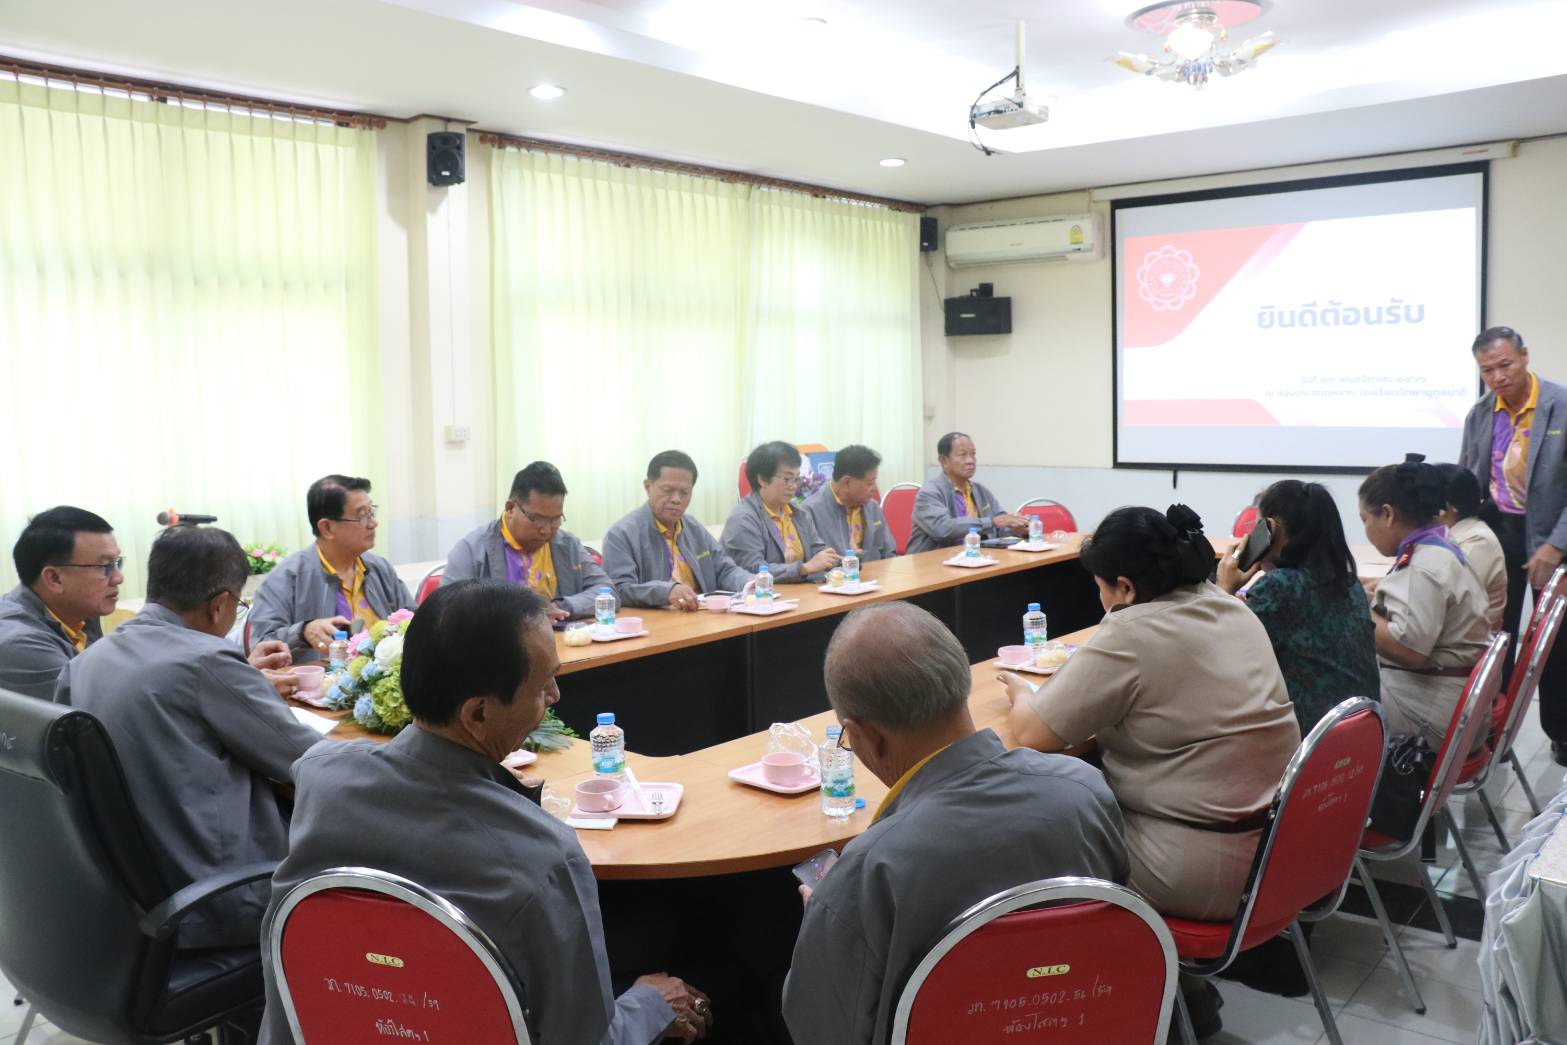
(186, 313)
(639, 310)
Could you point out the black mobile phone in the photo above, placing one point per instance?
(812, 871)
(559, 625)
(1256, 546)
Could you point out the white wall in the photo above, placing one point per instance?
(1038, 400)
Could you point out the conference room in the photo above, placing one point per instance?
(583, 522)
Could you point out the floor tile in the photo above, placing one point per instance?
(1264, 1019)
(1347, 935)
(1451, 1012)
(1431, 960)
(1356, 1030)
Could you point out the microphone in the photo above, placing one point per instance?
(174, 518)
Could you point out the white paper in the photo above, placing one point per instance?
(590, 823)
(319, 723)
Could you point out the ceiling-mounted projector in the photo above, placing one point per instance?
(1002, 114)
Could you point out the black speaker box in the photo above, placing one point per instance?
(927, 235)
(976, 315)
(444, 158)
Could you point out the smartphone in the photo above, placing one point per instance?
(560, 625)
(1256, 546)
(815, 869)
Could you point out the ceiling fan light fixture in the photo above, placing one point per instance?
(1190, 41)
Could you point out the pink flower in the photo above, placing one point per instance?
(400, 616)
(274, 556)
(361, 642)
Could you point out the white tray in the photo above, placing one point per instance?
(966, 563)
(631, 807)
(1030, 546)
(767, 609)
(615, 636)
(861, 588)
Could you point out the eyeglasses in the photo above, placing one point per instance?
(109, 568)
(843, 742)
(238, 598)
(544, 521)
(362, 518)
(788, 480)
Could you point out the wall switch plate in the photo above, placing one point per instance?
(457, 433)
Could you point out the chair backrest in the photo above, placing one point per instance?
(76, 873)
(1096, 964)
(1513, 706)
(1471, 718)
(1053, 514)
(898, 507)
(429, 583)
(1554, 588)
(360, 956)
(1318, 817)
(594, 554)
(745, 482)
(247, 634)
(1246, 521)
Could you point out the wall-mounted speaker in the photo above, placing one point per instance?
(927, 235)
(977, 315)
(443, 156)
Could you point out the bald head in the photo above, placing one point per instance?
(897, 666)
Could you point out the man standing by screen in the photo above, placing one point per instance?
(1515, 442)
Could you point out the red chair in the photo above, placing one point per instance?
(427, 586)
(1305, 853)
(1106, 970)
(1246, 521)
(1470, 720)
(361, 956)
(898, 508)
(1555, 588)
(745, 483)
(247, 634)
(593, 553)
(1053, 514)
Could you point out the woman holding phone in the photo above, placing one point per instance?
(1308, 598)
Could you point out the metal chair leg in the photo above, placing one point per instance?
(1324, 1010)
(1523, 782)
(27, 1026)
(1439, 908)
(1183, 1019)
(1399, 961)
(1496, 825)
(1463, 854)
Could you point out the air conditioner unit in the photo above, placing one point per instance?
(1073, 236)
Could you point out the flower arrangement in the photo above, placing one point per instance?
(263, 557)
(372, 686)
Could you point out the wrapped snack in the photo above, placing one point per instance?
(791, 736)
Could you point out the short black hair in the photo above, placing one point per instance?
(1462, 489)
(541, 477)
(1490, 334)
(190, 565)
(49, 539)
(1156, 551)
(1414, 489)
(944, 444)
(765, 461)
(671, 459)
(854, 461)
(467, 641)
(1316, 544)
(328, 495)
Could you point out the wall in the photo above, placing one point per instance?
(1038, 400)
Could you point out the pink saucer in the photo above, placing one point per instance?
(752, 775)
(632, 808)
(615, 636)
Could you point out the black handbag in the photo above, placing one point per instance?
(1406, 766)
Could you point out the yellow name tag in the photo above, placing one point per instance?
(1041, 971)
(704, 555)
(387, 960)
(1553, 431)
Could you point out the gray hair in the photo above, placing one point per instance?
(896, 665)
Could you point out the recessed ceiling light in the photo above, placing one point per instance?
(546, 92)
(893, 161)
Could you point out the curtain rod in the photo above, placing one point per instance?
(164, 92)
(631, 159)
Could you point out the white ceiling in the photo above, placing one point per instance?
(754, 85)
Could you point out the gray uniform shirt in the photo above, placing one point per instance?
(200, 733)
(33, 646)
(516, 871)
(300, 590)
(938, 523)
(482, 554)
(832, 525)
(974, 821)
(636, 557)
(751, 538)
(1545, 503)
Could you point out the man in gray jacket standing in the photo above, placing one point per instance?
(952, 503)
(1515, 442)
(527, 546)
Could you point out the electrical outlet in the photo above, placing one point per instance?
(457, 433)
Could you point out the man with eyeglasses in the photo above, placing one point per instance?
(68, 563)
(334, 584)
(199, 731)
(527, 546)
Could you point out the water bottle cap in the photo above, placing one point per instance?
(341, 635)
(606, 718)
(1033, 607)
(606, 590)
(834, 731)
(859, 803)
(973, 529)
(763, 569)
(853, 552)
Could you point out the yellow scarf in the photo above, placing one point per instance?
(794, 548)
(856, 522)
(539, 567)
(681, 572)
(358, 606)
(77, 636)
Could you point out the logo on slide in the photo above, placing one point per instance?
(1167, 279)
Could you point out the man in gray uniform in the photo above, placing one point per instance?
(766, 527)
(660, 556)
(964, 819)
(950, 504)
(844, 511)
(478, 673)
(200, 732)
(68, 563)
(527, 546)
(333, 582)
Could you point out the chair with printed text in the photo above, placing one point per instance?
(1053, 514)
(1106, 972)
(422, 969)
(428, 584)
(898, 508)
(1305, 854)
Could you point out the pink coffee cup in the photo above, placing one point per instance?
(716, 603)
(598, 795)
(309, 677)
(628, 625)
(785, 768)
(1015, 655)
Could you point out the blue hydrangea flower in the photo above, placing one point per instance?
(364, 713)
(372, 670)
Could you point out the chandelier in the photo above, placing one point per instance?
(1193, 30)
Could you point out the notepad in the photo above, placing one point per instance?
(319, 723)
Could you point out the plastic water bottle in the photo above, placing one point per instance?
(851, 567)
(1036, 529)
(609, 747)
(764, 584)
(604, 611)
(337, 652)
(1034, 628)
(971, 543)
(837, 775)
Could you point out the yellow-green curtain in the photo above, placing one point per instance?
(638, 310)
(187, 313)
